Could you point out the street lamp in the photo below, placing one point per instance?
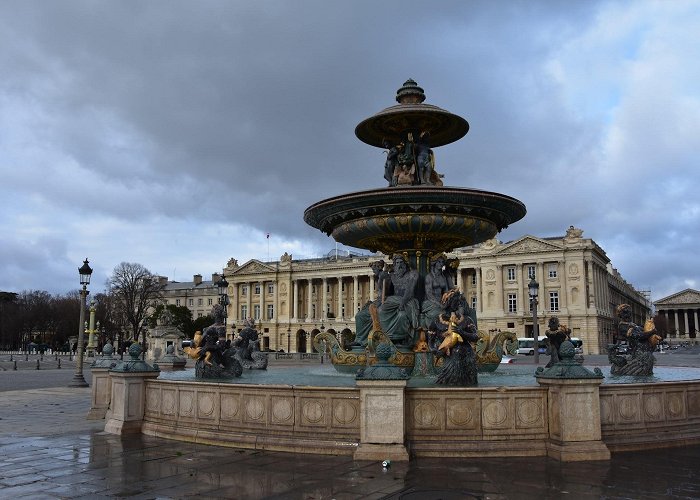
(78, 379)
(289, 339)
(533, 287)
(222, 285)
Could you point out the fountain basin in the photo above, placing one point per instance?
(437, 219)
(318, 410)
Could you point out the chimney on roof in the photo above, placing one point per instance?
(215, 278)
(162, 280)
(197, 278)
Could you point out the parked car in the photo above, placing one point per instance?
(507, 360)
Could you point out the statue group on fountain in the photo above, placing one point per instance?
(218, 357)
(444, 314)
(411, 162)
(642, 342)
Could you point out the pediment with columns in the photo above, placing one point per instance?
(527, 244)
(254, 267)
(685, 297)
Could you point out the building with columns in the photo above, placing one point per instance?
(681, 312)
(293, 300)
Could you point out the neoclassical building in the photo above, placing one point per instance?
(292, 300)
(198, 295)
(681, 312)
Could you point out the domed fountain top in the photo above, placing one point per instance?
(392, 124)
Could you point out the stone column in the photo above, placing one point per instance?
(382, 420)
(695, 315)
(479, 290)
(296, 299)
(677, 323)
(354, 295)
(324, 311)
(262, 300)
(310, 298)
(340, 297)
(128, 399)
(249, 300)
(686, 327)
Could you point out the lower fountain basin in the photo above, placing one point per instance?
(428, 218)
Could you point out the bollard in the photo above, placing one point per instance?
(15, 367)
(37, 364)
(59, 364)
(56, 358)
(11, 358)
(42, 356)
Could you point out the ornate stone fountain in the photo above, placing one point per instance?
(415, 219)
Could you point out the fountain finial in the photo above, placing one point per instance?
(410, 93)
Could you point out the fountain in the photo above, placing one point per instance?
(563, 411)
(415, 219)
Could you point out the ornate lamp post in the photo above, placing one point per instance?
(289, 338)
(533, 288)
(78, 379)
(222, 286)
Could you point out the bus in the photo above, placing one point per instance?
(525, 345)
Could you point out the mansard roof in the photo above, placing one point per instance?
(684, 297)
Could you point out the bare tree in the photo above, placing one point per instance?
(136, 290)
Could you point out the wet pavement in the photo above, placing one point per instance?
(49, 450)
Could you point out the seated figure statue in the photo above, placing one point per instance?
(437, 283)
(556, 334)
(642, 340)
(363, 319)
(398, 314)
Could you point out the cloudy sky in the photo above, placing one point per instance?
(178, 134)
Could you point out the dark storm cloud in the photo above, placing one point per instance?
(192, 114)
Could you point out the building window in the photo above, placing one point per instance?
(512, 303)
(199, 315)
(271, 288)
(531, 272)
(313, 310)
(244, 312)
(553, 301)
(343, 287)
(343, 310)
(177, 302)
(191, 302)
(270, 311)
(313, 288)
(510, 325)
(474, 279)
(511, 273)
(257, 289)
(210, 301)
(552, 270)
(244, 290)
(200, 302)
(473, 302)
(328, 287)
(256, 312)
